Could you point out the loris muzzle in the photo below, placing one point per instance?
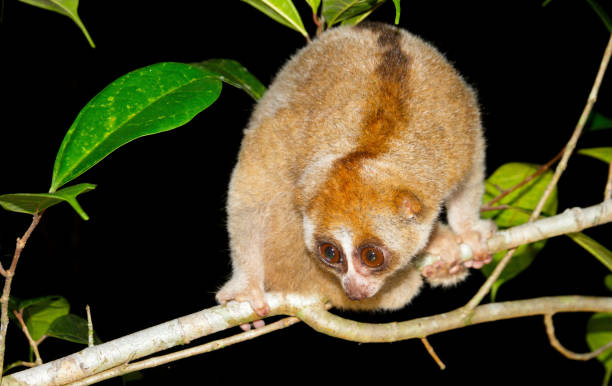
(343, 170)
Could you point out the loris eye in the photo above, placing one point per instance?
(329, 253)
(372, 257)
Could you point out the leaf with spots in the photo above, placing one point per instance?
(234, 73)
(147, 101)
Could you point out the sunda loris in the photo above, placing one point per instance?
(344, 168)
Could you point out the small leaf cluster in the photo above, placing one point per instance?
(49, 316)
(329, 12)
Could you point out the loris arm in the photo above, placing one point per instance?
(246, 211)
(465, 226)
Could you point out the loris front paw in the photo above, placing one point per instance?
(242, 290)
(449, 269)
(476, 238)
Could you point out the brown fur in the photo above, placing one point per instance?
(360, 139)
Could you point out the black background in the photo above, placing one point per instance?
(155, 247)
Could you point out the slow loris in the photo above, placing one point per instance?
(344, 167)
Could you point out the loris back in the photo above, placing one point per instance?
(343, 169)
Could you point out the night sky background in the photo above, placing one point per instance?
(155, 247)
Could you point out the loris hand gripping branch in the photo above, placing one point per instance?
(343, 170)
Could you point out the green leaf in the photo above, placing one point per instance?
(32, 203)
(40, 313)
(599, 333)
(314, 4)
(283, 11)
(598, 121)
(601, 253)
(397, 10)
(146, 101)
(66, 8)
(72, 328)
(521, 201)
(601, 153)
(359, 18)
(235, 74)
(336, 11)
(524, 198)
(608, 281)
(605, 18)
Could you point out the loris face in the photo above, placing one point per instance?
(363, 232)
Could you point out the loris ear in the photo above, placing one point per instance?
(408, 204)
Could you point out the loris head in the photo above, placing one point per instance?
(362, 227)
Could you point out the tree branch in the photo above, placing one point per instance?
(312, 311)
(201, 349)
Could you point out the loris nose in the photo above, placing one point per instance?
(356, 290)
(356, 296)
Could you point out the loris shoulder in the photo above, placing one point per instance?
(344, 167)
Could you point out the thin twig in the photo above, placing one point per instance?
(4, 300)
(24, 328)
(567, 152)
(550, 331)
(433, 354)
(541, 169)
(608, 190)
(487, 208)
(90, 335)
(204, 348)
(569, 148)
(20, 363)
(486, 287)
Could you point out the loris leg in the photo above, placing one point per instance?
(463, 212)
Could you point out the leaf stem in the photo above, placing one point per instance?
(24, 328)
